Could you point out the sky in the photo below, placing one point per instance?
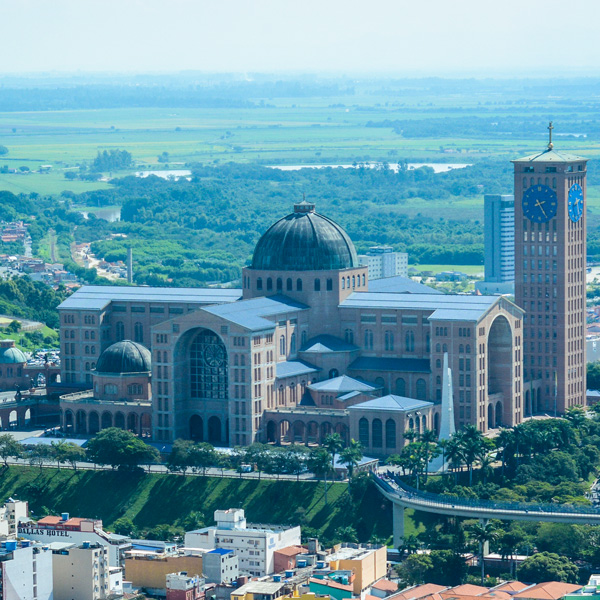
(429, 37)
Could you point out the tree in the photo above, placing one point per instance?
(9, 448)
(346, 534)
(63, 452)
(319, 464)
(124, 526)
(202, 456)
(179, 458)
(593, 375)
(351, 456)
(415, 569)
(39, 454)
(449, 568)
(333, 443)
(483, 533)
(119, 448)
(548, 566)
(3, 150)
(410, 544)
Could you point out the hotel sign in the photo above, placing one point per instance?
(43, 532)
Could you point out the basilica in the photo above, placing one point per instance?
(308, 346)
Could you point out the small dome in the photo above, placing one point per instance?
(304, 241)
(124, 357)
(9, 354)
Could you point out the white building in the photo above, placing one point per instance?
(382, 262)
(25, 571)
(11, 514)
(253, 544)
(83, 573)
(76, 531)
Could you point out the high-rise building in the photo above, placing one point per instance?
(25, 571)
(384, 262)
(550, 269)
(499, 247)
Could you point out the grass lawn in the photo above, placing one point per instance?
(468, 269)
(150, 500)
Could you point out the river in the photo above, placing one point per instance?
(437, 167)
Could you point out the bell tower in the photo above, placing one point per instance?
(550, 270)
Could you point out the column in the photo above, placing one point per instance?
(398, 518)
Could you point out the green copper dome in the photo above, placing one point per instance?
(304, 241)
(124, 357)
(9, 354)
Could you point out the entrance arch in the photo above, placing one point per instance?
(132, 422)
(271, 432)
(490, 419)
(214, 430)
(120, 420)
(500, 358)
(93, 422)
(498, 414)
(81, 422)
(196, 428)
(106, 420)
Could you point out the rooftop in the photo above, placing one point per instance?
(342, 385)
(393, 403)
(324, 344)
(400, 285)
(549, 590)
(550, 155)
(97, 297)
(252, 314)
(291, 368)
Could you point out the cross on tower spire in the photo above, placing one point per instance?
(550, 144)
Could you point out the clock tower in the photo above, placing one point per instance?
(550, 270)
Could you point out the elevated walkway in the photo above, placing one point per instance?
(404, 496)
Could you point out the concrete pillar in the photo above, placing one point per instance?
(398, 519)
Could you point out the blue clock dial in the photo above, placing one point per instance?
(575, 202)
(539, 203)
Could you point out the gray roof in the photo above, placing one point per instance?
(384, 363)
(97, 297)
(304, 241)
(323, 344)
(341, 385)
(455, 306)
(291, 368)
(125, 357)
(393, 403)
(400, 285)
(252, 314)
(550, 155)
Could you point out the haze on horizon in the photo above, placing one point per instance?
(430, 37)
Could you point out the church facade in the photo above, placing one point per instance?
(307, 347)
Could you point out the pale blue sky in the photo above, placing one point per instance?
(407, 37)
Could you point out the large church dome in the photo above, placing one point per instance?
(124, 357)
(304, 241)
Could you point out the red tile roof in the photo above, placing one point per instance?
(549, 590)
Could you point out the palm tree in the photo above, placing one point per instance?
(351, 456)
(319, 463)
(410, 545)
(504, 441)
(483, 532)
(333, 443)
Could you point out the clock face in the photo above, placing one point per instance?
(214, 356)
(539, 203)
(575, 202)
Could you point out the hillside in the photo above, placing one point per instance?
(150, 500)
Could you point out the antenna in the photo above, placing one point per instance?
(550, 144)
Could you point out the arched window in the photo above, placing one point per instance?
(119, 331)
(438, 347)
(461, 349)
(269, 284)
(468, 349)
(377, 429)
(317, 285)
(368, 339)
(411, 423)
(438, 380)
(410, 341)
(400, 387)
(134, 389)
(445, 348)
(363, 279)
(87, 366)
(389, 340)
(235, 359)
(87, 349)
(279, 284)
(303, 339)
(421, 389)
(281, 394)
(343, 283)
(282, 345)
(349, 336)
(333, 373)
(348, 282)
(208, 367)
(293, 343)
(353, 281)
(363, 432)
(298, 285)
(438, 364)
(110, 388)
(329, 284)
(390, 433)
(259, 283)
(289, 284)
(427, 343)
(138, 333)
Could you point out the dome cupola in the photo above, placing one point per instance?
(124, 357)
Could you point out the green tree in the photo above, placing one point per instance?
(201, 456)
(319, 464)
(346, 534)
(39, 454)
(124, 526)
(179, 460)
(119, 448)
(64, 452)
(416, 568)
(483, 533)
(548, 566)
(593, 375)
(449, 568)
(351, 456)
(333, 443)
(9, 448)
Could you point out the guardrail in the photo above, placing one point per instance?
(414, 496)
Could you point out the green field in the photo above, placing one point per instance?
(150, 500)
(468, 269)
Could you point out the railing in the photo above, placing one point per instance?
(406, 491)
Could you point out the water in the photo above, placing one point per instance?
(437, 167)
(167, 174)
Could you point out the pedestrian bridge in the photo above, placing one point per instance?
(404, 496)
